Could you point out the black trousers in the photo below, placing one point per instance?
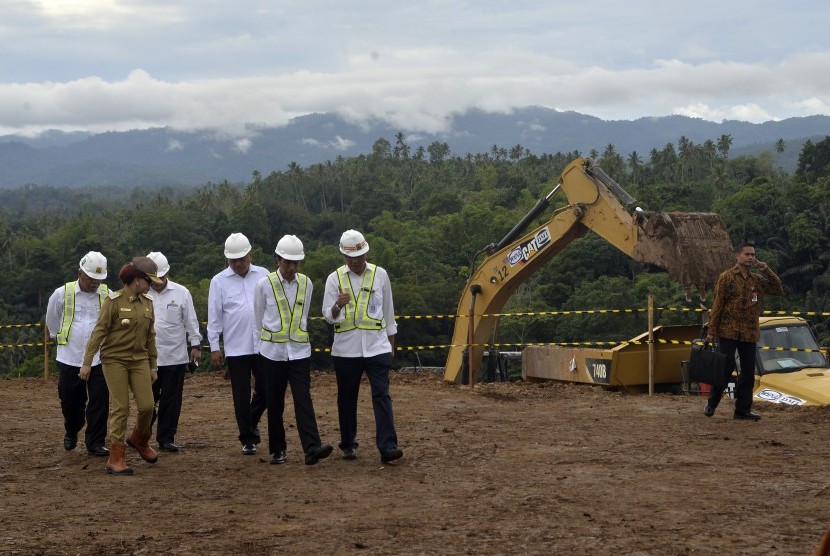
(84, 403)
(278, 375)
(167, 395)
(746, 376)
(248, 407)
(349, 371)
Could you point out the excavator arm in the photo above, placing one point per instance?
(694, 248)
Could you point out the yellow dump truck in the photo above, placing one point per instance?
(790, 367)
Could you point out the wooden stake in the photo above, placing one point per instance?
(650, 344)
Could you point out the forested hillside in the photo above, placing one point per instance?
(426, 212)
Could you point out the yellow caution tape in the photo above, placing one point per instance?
(9, 346)
(535, 314)
(510, 345)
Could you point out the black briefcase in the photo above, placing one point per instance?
(707, 365)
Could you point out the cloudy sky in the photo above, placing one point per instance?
(101, 65)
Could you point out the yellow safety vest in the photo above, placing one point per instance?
(293, 332)
(69, 309)
(356, 312)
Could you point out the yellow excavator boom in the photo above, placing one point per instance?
(692, 247)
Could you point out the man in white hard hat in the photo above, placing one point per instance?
(231, 315)
(358, 302)
(281, 306)
(176, 327)
(71, 315)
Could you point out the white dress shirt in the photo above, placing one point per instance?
(267, 315)
(357, 342)
(87, 307)
(231, 311)
(176, 323)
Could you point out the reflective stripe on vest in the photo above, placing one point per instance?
(356, 315)
(69, 309)
(294, 332)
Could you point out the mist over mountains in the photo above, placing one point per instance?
(165, 156)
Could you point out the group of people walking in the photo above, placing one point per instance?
(143, 337)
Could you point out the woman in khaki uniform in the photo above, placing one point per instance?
(126, 336)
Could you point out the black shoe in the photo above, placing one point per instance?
(70, 441)
(316, 454)
(708, 410)
(168, 447)
(349, 453)
(747, 416)
(249, 449)
(278, 458)
(98, 451)
(391, 455)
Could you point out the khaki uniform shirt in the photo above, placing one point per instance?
(125, 329)
(737, 303)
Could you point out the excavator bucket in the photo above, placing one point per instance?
(692, 247)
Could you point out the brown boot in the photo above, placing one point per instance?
(116, 464)
(142, 443)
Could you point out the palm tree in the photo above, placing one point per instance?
(634, 162)
(709, 151)
(724, 143)
(401, 149)
(296, 175)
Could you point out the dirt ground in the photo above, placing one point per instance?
(521, 468)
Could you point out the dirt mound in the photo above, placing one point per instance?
(505, 468)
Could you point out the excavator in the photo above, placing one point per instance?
(693, 248)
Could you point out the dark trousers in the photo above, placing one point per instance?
(167, 394)
(349, 371)
(746, 376)
(247, 407)
(277, 376)
(84, 403)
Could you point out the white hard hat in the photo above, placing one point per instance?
(353, 244)
(161, 263)
(94, 265)
(237, 246)
(290, 248)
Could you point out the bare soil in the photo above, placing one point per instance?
(521, 468)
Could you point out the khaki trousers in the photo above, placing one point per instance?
(123, 377)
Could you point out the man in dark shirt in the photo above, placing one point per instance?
(733, 320)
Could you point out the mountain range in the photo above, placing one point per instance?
(165, 156)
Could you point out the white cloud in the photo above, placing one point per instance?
(97, 15)
(235, 67)
(338, 143)
(812, 106)
(243, 145)
(342, 144)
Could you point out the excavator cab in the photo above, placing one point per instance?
(693, 248)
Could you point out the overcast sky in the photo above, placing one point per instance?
(101, 65)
